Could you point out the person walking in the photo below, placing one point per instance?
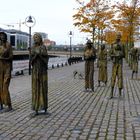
(6, 57)
(117, 54)
(89, 57)
(39, 62)
(102, 59)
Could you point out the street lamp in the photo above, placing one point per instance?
(70, 35)
(30, 22)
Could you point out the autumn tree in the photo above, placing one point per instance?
(92, 16)
(127, 22)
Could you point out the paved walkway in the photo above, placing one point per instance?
(74, 115)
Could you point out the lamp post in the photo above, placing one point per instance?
(70, 35)
(30, 22)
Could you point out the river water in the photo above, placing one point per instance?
(57, 61)
(20, 65)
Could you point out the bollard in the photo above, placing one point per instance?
(52, 66)
(22, 73)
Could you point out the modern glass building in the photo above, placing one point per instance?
(18, 39)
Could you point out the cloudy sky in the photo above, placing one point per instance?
(52, 16)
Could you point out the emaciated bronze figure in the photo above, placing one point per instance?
(39, 61)
(6, 57)
(89, 57)
(102, 59)
(117, 54)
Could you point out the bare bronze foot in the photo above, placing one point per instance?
(10, 107)
(111, 97)
(36, 112)
(91, 90)
(85, 90)
(1, 106)
(45, 111)
(98, 83)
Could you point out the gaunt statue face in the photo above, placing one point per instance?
(102, 47)
(37, 38)
(3, 37)
(89, 46)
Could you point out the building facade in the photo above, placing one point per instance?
(18, 39)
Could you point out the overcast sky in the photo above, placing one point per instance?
(52, 16)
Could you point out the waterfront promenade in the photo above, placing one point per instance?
(53, 53)
(74, 114)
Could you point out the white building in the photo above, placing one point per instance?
(18, 39)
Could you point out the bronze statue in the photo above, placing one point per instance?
(135, 60)
(6, 56)
(102, 59)
(89, 57)
(39, 61)
(117, 54)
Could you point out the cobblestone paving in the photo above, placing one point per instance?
(74, 114)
